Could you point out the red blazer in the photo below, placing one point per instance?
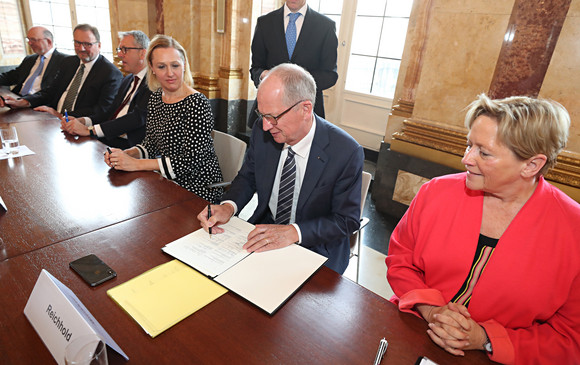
(528, 297)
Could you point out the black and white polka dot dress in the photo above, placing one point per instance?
(179, 136)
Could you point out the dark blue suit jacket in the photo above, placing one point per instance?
(328, 210)
(19, 74)
(95, 97)
(316, 49)
(132, 123)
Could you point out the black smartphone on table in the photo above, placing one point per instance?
(93, 270)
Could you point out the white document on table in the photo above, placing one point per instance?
(267, 279)
(212, 254)
(22, 151)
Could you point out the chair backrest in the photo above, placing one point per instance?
(366, 182)
(230, 152)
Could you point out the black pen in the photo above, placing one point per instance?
(208, 217)
(109, 150)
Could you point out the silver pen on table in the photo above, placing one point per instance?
(381, 352)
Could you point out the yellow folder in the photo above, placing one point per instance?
(164, 295)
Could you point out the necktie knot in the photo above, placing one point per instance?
(293, 17)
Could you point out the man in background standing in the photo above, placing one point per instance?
(295, 33)
(36, 71)
(125, 127)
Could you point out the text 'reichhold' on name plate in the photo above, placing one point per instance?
(58, 316)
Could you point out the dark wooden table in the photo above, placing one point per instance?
(65, 189)
(331, 320)
(64, 203)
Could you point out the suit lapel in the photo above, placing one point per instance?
(317, 161)
(280, 33)
(142, 85)
(123, 90)
(272, 157)
(93, 73)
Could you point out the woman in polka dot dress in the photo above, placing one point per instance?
(178, 140)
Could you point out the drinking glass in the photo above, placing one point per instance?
(86, 350)
(9, 140)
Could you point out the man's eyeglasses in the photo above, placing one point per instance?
(274, 119)
(86, 45)
(34, 40)
(125, 49)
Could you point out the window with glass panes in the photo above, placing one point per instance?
(377, 46)
(57, 17)
(330, 8)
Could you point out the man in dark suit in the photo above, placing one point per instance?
(86, 84)
(315, 48)
(125, 127)
(36, 71)
(318, 204)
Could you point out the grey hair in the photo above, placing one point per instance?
(298, 83)
(140, 38)
(48, 34)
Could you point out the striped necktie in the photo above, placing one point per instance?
(286, 190)
(291, 33)
(28, 85)
(127, 98)
(73, 90)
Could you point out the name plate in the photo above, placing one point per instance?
(58, 316)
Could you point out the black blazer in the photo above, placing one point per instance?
(95, 98)
(132, 123)
(316, 49)
(20, 73)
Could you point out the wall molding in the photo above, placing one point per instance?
(231, 73)
(450, 140)
(208, 85)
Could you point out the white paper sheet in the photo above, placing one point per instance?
(212, 255)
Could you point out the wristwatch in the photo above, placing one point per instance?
(487, 344)
(92, 131)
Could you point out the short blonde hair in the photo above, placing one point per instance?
(164, 41)
(526, 126)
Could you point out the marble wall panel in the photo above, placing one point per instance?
(563, 76)
(475, 6)
(129, 15)
(462, 51)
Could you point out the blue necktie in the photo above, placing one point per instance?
(28, 85)
(286, 189)
(291, 33)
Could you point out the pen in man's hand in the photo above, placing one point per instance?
(66, 115)
(109, 150)
(208, 217)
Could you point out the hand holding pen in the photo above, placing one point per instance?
(208, 217)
